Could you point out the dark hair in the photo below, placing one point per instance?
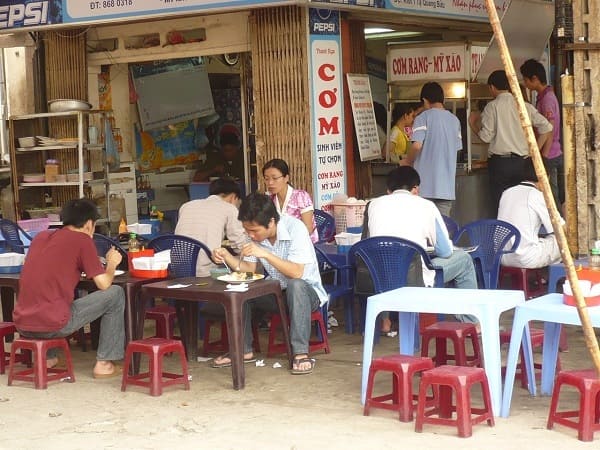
(226, 185)
(229, 139)
(78, 211)
(258, 208)
(499, 80)
(432, 92)
(380, 114)
(532, 68)
(400, 110)
(528, 171)
(278, 164)
(403, 177)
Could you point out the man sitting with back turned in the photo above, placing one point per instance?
(388, 217)
(211, 219)
(524, 207)
(284, 248)
(46, 307)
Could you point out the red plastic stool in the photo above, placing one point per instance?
(155, 348)
(221, 345)
(403, 368)
(443, 380)
(530, 281)
(537, 340)
(7, 328)
(313, 346)
(588, 385)
(457, 332)
(164, 317)
(39, 374)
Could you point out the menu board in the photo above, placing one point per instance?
(364, 116)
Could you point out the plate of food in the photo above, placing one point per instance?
(241, 277)
(468, 249)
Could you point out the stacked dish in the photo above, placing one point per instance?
(34, 178)
(26, 142)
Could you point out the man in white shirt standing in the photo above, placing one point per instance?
(402, 213)
(499, 126)
(524, 207)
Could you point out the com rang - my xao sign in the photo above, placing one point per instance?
(450, 62)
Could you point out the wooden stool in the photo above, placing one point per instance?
(313, 346)
(164, 318)
(39, 374)
(155, 348)
(588, 385)
(537, 340)
(403, 368)
(457, 332)
(445, 379)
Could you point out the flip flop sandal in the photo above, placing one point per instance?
(298, 361)
(224, 365)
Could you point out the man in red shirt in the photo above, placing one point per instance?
(46, 307)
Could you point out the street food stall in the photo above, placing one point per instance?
(453, 65)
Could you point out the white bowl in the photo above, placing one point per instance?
(68, 104)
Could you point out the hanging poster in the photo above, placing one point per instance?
(171, 91)
(364, 116)
(327, 109)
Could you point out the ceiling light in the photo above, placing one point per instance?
(377, 30)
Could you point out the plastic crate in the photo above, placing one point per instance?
(34, 225)
(348, 215)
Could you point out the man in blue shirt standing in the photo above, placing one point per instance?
(436, 139)
(284, 248)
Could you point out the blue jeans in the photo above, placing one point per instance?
(108, 304)
(301, 300)
(459, 268)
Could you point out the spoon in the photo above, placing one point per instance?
(226, 266)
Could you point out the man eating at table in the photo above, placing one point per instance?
(46, 308)
(283, 246)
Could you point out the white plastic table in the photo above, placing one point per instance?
(485, 304)
(551, 310)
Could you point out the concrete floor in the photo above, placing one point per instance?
(275, 411)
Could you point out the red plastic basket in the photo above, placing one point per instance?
(585, 274)
(149, 273)
(30, 225)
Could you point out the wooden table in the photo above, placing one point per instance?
(209, 290)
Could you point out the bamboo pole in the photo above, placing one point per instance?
(588, 331)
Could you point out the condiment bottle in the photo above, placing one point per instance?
(51, 170)
(594, 259)
(134, 244)
(122, 226)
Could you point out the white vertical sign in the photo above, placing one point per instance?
(327, 111)
(364, 116)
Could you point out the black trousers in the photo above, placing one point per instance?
(503, 172)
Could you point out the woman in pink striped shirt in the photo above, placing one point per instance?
(288, 200)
